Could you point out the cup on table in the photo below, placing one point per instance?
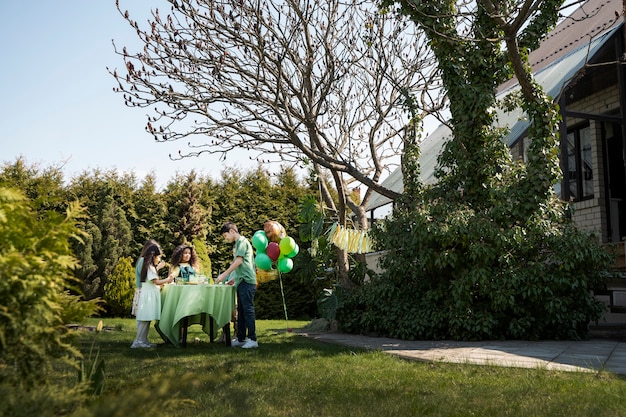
(180, 281)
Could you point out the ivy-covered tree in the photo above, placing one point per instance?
(488, 252)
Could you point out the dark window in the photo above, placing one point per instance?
(579, 163)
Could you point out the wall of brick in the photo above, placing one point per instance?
(591, 215)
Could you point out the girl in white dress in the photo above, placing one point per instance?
(149, 306)
(138, 266)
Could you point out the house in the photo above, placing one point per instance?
(582, 65)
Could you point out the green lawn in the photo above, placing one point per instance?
(290, 375)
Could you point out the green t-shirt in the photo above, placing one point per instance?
(247, 270)
(138, 267)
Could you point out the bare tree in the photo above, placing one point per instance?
(324, 82)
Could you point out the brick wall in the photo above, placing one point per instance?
(590, 215)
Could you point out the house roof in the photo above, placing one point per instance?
(558, 59)
(429, 151)
(573, 33)
(552, 78)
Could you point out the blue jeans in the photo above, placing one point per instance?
(245, 311)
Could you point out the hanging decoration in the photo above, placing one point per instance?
(350, 240)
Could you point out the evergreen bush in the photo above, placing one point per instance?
(36, 262)
(120, 288)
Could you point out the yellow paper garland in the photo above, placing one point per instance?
(350, 240)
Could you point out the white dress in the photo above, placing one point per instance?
(149, 307)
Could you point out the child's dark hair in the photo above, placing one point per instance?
(177, 255)
(228, 227)
(148, 259)
(148, 244)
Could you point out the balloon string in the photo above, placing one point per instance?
(282, 291)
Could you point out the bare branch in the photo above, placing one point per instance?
(318, 80)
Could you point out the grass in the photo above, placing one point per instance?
(290, 375)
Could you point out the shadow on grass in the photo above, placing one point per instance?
(272, 342)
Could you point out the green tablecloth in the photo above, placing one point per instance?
(190, 301)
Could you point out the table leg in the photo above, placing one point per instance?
(184, 324)
(226, 330)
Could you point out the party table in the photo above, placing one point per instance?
(183, 305)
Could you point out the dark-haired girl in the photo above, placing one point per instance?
(185, 264)
(138, 267)
(149, 306)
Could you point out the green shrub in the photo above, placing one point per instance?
(74, 309)
(35, 270)
(120, 288)
(456, 273)
(203, 255)
(42, 400)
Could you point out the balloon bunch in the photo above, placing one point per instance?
(268, 252)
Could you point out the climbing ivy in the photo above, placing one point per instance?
(488, 252)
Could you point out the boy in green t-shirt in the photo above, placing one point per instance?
(244, 278)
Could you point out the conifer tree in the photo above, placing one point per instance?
(120, 288)
(36, 263)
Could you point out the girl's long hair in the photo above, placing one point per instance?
(148, 244)
(177, 255)
(148, 259)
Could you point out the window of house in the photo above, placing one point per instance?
(580, 165)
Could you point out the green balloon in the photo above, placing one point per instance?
(263, 261)
(287, 245)
(259, 241)
(284, 265)
(293, 252)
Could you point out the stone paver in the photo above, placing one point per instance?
(572, 356)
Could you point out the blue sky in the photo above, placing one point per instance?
(57, 104)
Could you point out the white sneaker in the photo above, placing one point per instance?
(142, 345)
(236, 343)
(250, 344)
